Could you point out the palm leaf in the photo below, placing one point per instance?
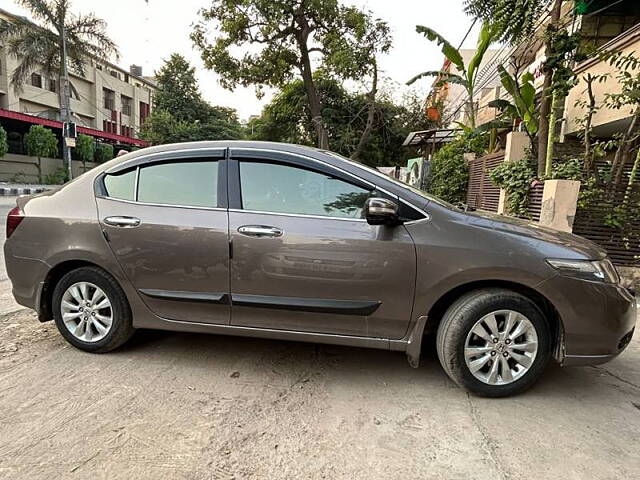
(444, 77)
(449, 51)
(488, 34)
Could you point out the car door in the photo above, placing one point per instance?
(165, 219)
(304, 259)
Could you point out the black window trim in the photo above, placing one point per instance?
(219, 155)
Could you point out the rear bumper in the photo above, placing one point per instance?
(27, 277)
(598, 319)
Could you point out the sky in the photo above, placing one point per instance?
(148, 32)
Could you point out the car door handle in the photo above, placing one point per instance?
(260, 231)
(126, 222)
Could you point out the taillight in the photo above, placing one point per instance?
(13, 220)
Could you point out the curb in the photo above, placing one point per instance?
(14, 192)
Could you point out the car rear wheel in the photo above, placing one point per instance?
(91, 310)
(494, 342)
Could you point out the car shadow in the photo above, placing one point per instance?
(340, 364)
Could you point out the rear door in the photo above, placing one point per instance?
(304, 259)
(166, 221)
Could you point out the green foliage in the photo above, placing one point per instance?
(181, 114)
(280, 32)
(515, 177)
(4, 145)
(56, 178)
(287, 118)
(85, 148)
(488, 34)
(104, 152)
(523, 94)
(515, 19)
(449, 170)
(283, 40)
(38, 46)
(39, 141)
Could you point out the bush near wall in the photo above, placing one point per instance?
(449, 170)
(104, 152)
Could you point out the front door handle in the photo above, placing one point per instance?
(260, 231)
(125, 222)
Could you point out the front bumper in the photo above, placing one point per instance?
(598, 319)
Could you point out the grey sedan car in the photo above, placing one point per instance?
(288, 242)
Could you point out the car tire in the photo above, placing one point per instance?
(109, 335)
(494, 313)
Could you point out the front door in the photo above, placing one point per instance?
(168, 230)
(303, 258)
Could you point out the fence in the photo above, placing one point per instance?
(482, 194)
(613, 222)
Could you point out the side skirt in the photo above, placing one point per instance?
(346, 340)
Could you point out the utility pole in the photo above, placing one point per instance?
(65, 104)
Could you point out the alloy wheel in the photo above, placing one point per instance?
(501, 347)
(86, 312)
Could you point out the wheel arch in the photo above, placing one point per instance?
(45, 310)
(440, 306)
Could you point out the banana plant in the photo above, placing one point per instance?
(468, 73)
(523, 105)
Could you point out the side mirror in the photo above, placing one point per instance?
(380, 211)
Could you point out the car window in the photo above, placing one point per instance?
(121, 185)
(180, 183)
(277, 188)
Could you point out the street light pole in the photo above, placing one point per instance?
(65, 105)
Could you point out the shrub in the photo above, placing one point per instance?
(40, 142)
(515, 177)
(449, 171)
(4, 145)
(104, 152)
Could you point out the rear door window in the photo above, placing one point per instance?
(121, 185)
(180, 183)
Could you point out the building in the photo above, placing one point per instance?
(109, 103)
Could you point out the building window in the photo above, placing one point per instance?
(126, 104)
(115, 74)
(53, 85)
(109, 99)
(36, 80)
(109, 126)
(144, 112)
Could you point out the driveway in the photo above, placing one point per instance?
(186, 406)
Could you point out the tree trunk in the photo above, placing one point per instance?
(39, 167)
(545, 103)
(589, 159)
(617, 167)
(315, 106)
(632, 177)
(551, 140)
(366, 133)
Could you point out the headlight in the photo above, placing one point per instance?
(596, 271)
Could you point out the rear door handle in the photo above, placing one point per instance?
(125, 222)
(260, 231)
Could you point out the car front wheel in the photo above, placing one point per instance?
(494, 342)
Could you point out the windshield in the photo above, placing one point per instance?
(395, 181)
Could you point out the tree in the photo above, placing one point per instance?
(40, 142)
(4, 144)
(515, 19)
(181, 114)
(469, 73)
(178, 92)
(85, 149)
(523, 107)
(286, 38)
(287, 118)
(39, 45)
(104, 152)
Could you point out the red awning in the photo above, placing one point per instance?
(23, 117)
